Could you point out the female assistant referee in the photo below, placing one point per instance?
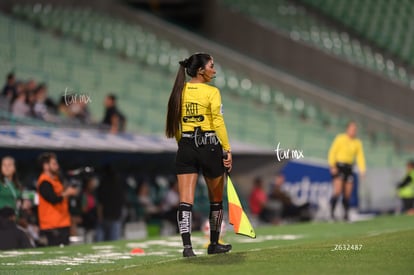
(195, 119)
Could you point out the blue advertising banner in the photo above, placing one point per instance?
(310, 182)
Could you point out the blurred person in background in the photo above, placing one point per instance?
(31, 101)
(145, 201)
(89, 204)
(113, 118)
(30, 86)
(53, 209)
(44, 108)
(10, 188)
(147, 206)
(110, 195)
(170, 203)
(288, 207)
(195, 120)
(11, 195)
(345, 150)
(64, 109)
(75, 210)
(406, 189)
(19, 106)
(11, 236)
(75, 111)
(9, 89)
(29, 223)
(81, 112)
(258, 199)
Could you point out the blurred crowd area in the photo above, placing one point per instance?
(272, 204)
(105, 202)
(30, 99)
(109, 205)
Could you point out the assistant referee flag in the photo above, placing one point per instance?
(237, 217)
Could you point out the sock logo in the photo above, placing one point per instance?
(215, 220)
(185, 222)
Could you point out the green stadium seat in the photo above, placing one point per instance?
(378, 22)
(140, 68)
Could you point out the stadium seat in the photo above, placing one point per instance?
(383, 23)
(141, 72)
(299, 24)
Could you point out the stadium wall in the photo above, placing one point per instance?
(311, 181)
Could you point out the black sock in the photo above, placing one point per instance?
(216, 218)
(334, 199)
(184, 217)
(345, 203)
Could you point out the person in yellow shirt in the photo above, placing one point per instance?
(195, 120)
(345, 149)
(406, 189)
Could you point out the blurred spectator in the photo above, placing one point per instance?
(31, 101)
(113, 118)
(145, 203)
(30, 86)
(289, 209)
(257, 198)
(44, 108)
(89, 204)
(29, 223)
(75, 111)
(110, 204)
(261, 206)
(11, 237)
(19, 106)
(406, 189)
(82, 113)
(75, 210)
(9, 89)
(53, 208)
(170, 203)
(10, 188)
(63, 109)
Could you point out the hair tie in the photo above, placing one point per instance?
(184, 63)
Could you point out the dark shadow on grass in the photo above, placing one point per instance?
(219, 259)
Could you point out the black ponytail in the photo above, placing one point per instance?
(174, 103)
(190, 65)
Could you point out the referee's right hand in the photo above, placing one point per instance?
(228, 162)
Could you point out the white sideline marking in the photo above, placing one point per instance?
(14, 253)
(108, 254)
(271, 238)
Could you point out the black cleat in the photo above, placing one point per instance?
(218, 248)
(188, 252)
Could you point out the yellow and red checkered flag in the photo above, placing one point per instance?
(237, 217)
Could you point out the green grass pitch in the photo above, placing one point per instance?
(383, 245)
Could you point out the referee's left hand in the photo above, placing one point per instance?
(228, 162)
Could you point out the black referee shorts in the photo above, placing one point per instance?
(191, 158)
(345, 172)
